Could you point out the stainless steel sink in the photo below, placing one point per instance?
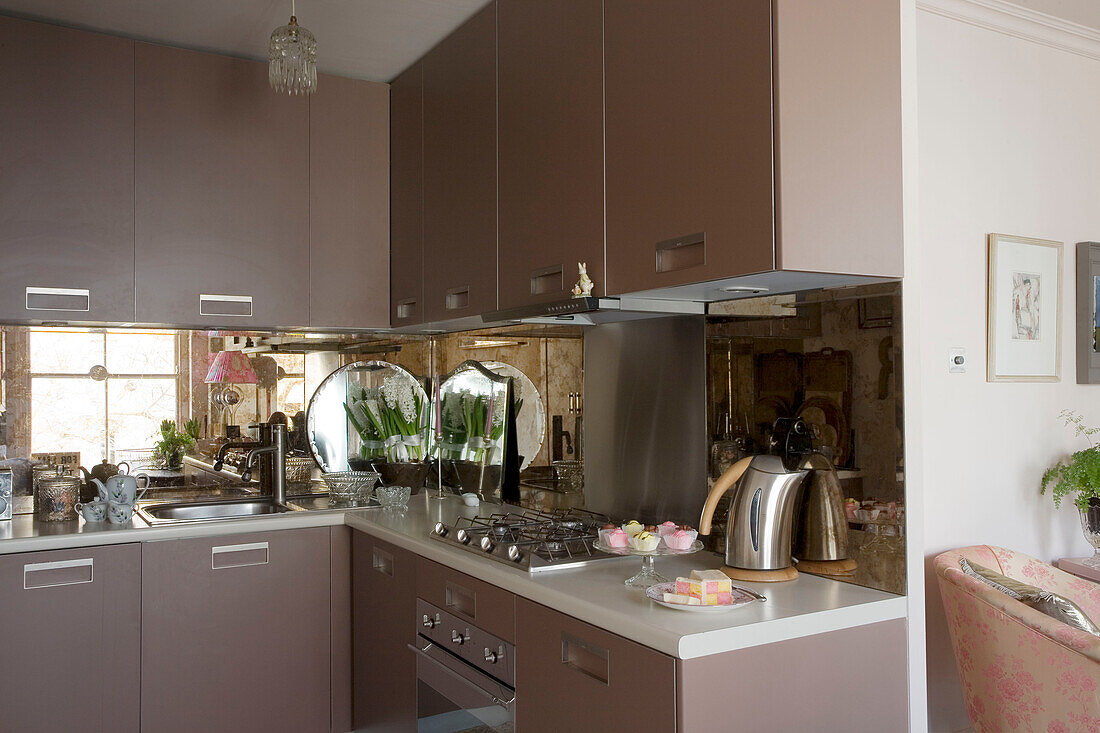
(207, 511)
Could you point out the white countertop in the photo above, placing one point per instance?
(594, 594)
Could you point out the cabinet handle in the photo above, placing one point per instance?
(238, 556)
(458, 298)
(547, 280)
(585, 657)
(682, 252)
(406, 308)
(461, 600)
(58, 299)
(225, 305)
(62, 572)
(382, 561)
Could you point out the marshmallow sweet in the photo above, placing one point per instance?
(645, 541)
(633, 527)
(680, 539)
(616, 538)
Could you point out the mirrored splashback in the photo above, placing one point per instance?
(84, 395)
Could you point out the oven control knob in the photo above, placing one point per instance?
(458, 638)
(463, 536)
(441, 529)
(487, 544)
(493, 657)
(429, 622)
(515, 554)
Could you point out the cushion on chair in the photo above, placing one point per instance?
(1052, 604)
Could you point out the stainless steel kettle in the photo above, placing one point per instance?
(758, 536)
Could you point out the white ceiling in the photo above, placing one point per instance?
(364, 39)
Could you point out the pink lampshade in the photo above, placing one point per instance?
(231, 367)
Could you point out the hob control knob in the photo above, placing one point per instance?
(463, 536)
(487, 544)
(440, 529)
(515, 554)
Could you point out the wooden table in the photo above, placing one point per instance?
(1076, 566)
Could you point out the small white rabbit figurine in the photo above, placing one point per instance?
(583, 288)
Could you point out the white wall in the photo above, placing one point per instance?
(1009, 143)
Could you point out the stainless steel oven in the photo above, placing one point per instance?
(465, 677)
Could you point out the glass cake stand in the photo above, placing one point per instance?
(648, 576)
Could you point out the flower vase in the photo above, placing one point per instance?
(1090, 525)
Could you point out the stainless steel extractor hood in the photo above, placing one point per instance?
(591, 311)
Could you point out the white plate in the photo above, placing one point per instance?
(740, 595)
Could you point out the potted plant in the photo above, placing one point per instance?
(392, 423)
(172, 446)
(1079, 476)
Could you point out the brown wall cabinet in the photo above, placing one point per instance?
(235, 632)
(349, 204)
(550, 112)
(460, 171)
(71, 655)
(689, 141)
(605, 678)
(222, 202)
(66, 174)
(384, 623)
(407, 197)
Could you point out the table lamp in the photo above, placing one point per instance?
(227, 369)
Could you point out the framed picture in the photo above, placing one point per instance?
(1025, 310)
(1088, 312)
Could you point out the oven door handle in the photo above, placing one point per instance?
(423, 653)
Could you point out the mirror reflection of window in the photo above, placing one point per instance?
(99, 391)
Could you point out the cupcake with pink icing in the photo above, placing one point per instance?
(614, 537)
(681, 539)
(663, 530)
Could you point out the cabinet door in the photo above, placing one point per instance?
(383, 623)
(349, 204)
(222, 193)
(689, 141)
(71, 621)
(550, 111)
(605, 678)
(460, 181)
(235, 632)
(407, 197)
(66, 174)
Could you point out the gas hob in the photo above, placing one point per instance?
(529, 540)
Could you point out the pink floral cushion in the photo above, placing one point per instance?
(1021, 670)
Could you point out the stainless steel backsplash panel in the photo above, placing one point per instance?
(645, 419)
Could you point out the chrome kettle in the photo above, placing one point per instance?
(758, 535)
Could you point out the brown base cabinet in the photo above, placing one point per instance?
(607, 681)
(383, 623)
(235, 633)
(71, 660)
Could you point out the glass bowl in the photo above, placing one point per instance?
(299, 470)
(349, 488)
(393, 496)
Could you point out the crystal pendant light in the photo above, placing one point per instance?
(292, 58)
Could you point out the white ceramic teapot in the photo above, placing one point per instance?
(121, 488)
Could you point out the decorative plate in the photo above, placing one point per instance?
(740, 597)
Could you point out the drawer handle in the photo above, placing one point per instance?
(406, 308)
(458, 298)
(585, 657)
(682, 252)
(461, 600)
(225, 305)
(62, 572)
(59, 299)
(382, 561)
(548, 280)
(238, 556)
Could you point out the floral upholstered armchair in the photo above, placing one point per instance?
(1021, 670)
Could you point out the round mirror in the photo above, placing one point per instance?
(367, 412)
(530, 413)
